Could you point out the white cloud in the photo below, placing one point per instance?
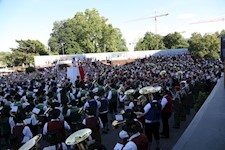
(186, 16)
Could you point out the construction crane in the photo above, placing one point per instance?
(208, 21)
(155, 19)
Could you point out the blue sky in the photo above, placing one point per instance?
(33, 19)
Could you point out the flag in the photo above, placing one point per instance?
(81, 71)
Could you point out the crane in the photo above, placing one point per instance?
(155, 19)
(209, 21)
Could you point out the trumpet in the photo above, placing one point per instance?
(116, 123)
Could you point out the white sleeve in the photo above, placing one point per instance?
(122, 97)
(84, 122)
(34, 121)
(72, 96)
(131, 105)
(147, 108)
(45, 129)
(66, 126)
(79, 94)
(164, 102)
(100, 123)
(86, 105)
(130, 146)
(59, 98)
(109, 95)
(98, 104)
(27, 134)
(11, 122)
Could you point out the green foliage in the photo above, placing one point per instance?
(207, 46)
(30, 69)
(25, 52)
(200, 100)
(86, 32)
(175, 40)
(150, 41)
(5, 59)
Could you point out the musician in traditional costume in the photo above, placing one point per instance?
(177, 108)
(137, 140)
(103, 111)
(20, 132)
(94, 123)
(92, 102)
(56, 126)
(113, 99)
(152, 113)
(166, 113)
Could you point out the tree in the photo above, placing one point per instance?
(5, 59)
(25, 52)
(150, 41)
(86, 32)
(175, 40)
(204, 46)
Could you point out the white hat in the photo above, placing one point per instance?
(123, 134)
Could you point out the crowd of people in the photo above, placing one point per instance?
(149, 91)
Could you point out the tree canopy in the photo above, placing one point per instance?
(150, 41)
(206, 46)
(175, 40)
(25, 51)
(86, 32)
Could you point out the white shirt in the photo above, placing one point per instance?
(131, 145)
(11, 122)
(130, 106)
(163, 102)
(34, 120)
(45, 129)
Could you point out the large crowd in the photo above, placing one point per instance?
(149, 91)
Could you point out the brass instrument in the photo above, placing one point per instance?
(116, 123)
(130, 91)
(31, 143)
(78, 138)
(150, 89)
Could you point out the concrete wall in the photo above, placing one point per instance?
(206, 131)
(41, 61)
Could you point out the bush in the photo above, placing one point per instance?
(200, 100)
(30, 69)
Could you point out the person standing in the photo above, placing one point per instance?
(166, 113)
(152, 114)
(20, 132)
(137, 140)
(113, 97)
(55, 129)
(94, 123)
